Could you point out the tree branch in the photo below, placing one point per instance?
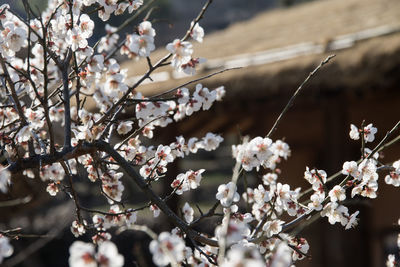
(296, 93)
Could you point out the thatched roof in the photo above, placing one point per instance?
(279, 48)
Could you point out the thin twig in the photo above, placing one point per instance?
(14, 95)
(66, 96)
(290, 103)
(383, 141)
(72, 191)
(210, 213)
(225, 221)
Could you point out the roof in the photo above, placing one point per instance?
(291, 42)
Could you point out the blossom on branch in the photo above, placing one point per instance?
(227, 194)
(167, 249)
(6, 250)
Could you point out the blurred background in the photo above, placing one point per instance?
(277, 44)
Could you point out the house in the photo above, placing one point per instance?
(277, 50)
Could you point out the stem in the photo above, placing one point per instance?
(67, 107)
(290, 103)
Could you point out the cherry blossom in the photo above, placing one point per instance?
(197, 32)
(187, 212)
(164, 155)
(350, 168)
(354, 133)
(353, 220)
(269, 178)
(261, 196)
(76, 39)
(5, 179)
(156, 211)
(369, 132)
(182, 52)
(227, 194)
(391, 261)
(61, 63)
(24, 134)
(317, 200)
(14, 37)
(124, 127)
(106, 43)
(108, 256)
(6, 250)
(281, 149)
(237, 231)
(143, 43)
(335, 213)
(260, 152)
(186, 181)
(394, 176)
(220, 93)
(273, 227)
(96, 63)
(282, 256)
(246, 256)
(52, 189)
(77, 228)
(108, 7)
(337, 193)
(210, 142)
(167, 249)
(315, 177)
(189, 67)
(248, 196)
(84, 254)
(86, 26)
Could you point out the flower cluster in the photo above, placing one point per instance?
(14, 34)
(115, 218)
(186, 181)
(140, 43)
(84, 254)
(260, 152)
(368, 132)
(182, 51)
(156, 161)
(157, 113)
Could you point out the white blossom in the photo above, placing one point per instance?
(124, 127)
(337, 193)
(272, 227)
(181, 52)
(393, 177)
(187, 212)
(354, 133)
(227, 194)
(167, 249)
(350, 168)
(5, 179)
(6, 250)
(197, 32)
